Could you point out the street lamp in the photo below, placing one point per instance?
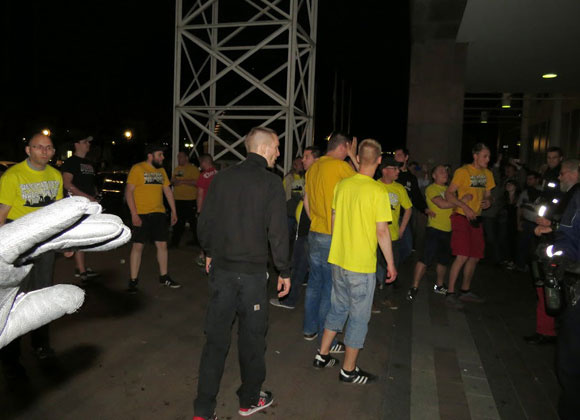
(128, 134)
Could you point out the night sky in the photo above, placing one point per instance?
(100, 67)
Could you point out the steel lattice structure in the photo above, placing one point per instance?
(249, 63)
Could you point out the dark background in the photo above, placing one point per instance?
(99, 68)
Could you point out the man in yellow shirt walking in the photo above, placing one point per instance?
(146, 184)
(361, 213)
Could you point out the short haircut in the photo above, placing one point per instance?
(534, 174)
(511, 165)
(555, 149)
(571, 164)
(35, 135)
(336, 139)
(316, 152)
(478, 147)
(432, 172)
(402, 149)
(368, 151)
(257, 136)
(206, 158)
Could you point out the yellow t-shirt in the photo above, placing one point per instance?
(321, 179)
(475, 182)
(442, 220)
(359, 203)
(26, 190)
(149, 182)
(397, 197)
(183, 191)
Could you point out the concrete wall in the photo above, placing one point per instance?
(436, 91)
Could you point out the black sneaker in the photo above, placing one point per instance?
(88, 273)
(337, 348)
(266, 399)
(310, 337)
(167, 281)
(323, 361)
(133, 286)
(440, 290)
(358, 376)
(412, 294)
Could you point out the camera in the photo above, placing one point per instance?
(558, 275)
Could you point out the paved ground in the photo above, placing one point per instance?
(136, 357)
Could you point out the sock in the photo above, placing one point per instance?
(349, 372)
(464, 290)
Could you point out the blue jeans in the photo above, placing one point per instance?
(317, 300)
(352, 299)
(299, 270)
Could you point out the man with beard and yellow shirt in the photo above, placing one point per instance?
(146, 184)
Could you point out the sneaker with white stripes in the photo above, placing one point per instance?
(337, 348)
(324, 361)
(358, 376)
(266, 399)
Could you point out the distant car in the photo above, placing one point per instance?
(112, 188)
(4, 164)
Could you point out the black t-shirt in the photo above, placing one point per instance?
(83, 173)
(409, 181)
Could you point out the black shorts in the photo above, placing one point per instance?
(154, 228)
(437, 247)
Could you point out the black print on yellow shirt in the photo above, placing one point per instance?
(478, 181)
(39, 194)
(153, 178)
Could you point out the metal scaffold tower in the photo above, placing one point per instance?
(248, 63)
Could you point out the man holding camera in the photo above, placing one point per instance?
(467, 243)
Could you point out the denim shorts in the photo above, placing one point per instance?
(352, 299)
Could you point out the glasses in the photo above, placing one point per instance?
(396, 168)
(45, 148)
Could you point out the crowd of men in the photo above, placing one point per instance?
(341, 223)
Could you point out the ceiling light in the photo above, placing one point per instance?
(506, 100)
(549, 75)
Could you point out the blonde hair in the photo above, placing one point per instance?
(258, 136)
(369, 151)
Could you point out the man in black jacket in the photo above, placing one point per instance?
(244, 210)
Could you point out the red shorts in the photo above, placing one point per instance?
(466, 240)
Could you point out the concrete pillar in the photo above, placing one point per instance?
(436, 92)
(556, 121)
(525, 128)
